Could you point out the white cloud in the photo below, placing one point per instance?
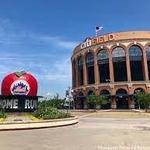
(59, 72)
(8, 56)
(45, 63)
(67, 44)
(10, 34)
(56, 41)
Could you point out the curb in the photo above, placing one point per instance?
(39, 124)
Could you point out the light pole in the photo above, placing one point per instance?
(73, 98)
(69, 96)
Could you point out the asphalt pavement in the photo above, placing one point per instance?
(91, 133)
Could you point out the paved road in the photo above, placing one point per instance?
(90, 134)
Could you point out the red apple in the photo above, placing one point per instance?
(19, 83)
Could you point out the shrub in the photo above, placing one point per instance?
(55, 102)
(2, 114)
(144, 98)
(97, 100)
(49, 113)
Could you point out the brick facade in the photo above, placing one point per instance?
(120, 39)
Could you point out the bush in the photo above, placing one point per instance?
(2, 114)
(55, 102)
(49, 113)
(144, 99)
(97, 100)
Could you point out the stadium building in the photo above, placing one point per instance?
(116, 65)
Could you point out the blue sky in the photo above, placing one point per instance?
(39, 35)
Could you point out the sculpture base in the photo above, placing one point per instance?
(18, 103)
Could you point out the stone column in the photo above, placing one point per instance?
(113, 98)
(113, 103)
(111, 71)
(145, 66)
(73, 75)
(84, 72)
(128, 66)
(148, 88)
(76, 67)
(131, 103)
(96, 70)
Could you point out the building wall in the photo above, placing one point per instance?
(109, 42)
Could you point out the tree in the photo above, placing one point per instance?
(101, 100)
(91, 99)
(97, 100)
(55, 102)
(144, 98)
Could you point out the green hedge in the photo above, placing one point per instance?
(47, 112)
(2, 114)
(56, 103)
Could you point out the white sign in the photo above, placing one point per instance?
(87, 43)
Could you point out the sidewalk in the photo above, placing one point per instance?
(26, 122)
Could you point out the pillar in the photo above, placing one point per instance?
(96, 70)
(131, 103)
(111, 71)
(76, 68)
(113, 103)
(84, 71)
(128, 66)
(145, 66)
(73, 75)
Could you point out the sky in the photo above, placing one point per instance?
(39, 36)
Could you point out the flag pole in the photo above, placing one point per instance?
(96, 33)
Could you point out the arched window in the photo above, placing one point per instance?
(122, 99)
(138, 90)
(103, 64)
(80, 71)
(90, 68)
(136, 63)
(91, 92)
(73, 73)
(148, 59)
(104, 93)
(119, 64)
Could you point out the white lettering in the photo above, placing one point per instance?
(87, 43)
(9, 103)
(30, 104)
(4, 104)
(15, 104)
(27, 104)
(18, 104)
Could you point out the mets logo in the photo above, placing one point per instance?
(20, 87)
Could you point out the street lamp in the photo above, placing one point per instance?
(73, 96)
(69, 96)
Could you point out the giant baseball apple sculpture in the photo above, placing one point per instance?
(19, 83)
